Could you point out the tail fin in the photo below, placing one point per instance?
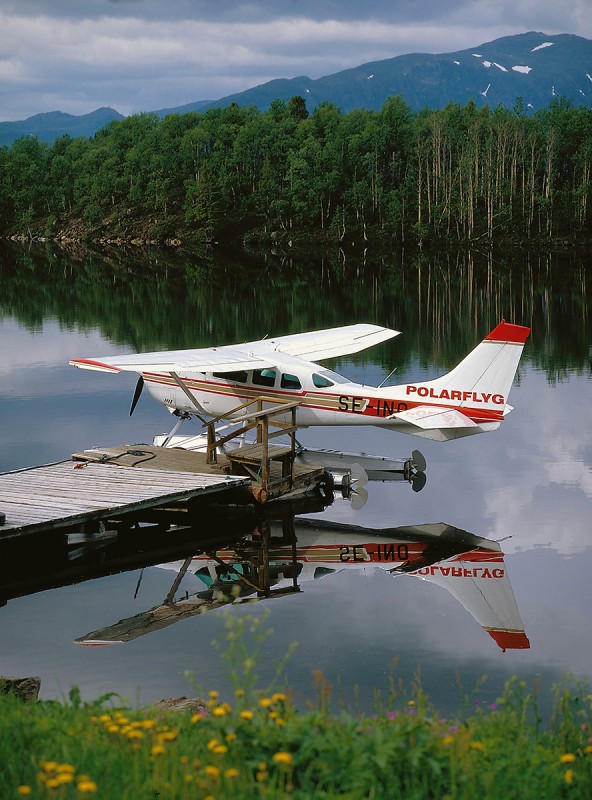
(484, 377)
(472, 397)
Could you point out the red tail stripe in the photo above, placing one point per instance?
(506, 332)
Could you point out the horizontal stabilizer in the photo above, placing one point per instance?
(430, 418)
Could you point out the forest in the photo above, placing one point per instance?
(462, 174)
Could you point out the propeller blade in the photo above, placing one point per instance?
(418, 481)
(359, 475)
(137, 393)
(359, 498)
(419, 461)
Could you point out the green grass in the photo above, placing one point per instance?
(256, 744)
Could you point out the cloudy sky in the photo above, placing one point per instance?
(142, 55)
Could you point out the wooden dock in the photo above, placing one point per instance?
(72, 494)
(244, 462)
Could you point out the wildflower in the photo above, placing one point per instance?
(184, 760)
(64, 777)
(265, 702)
(168, 736)
(48, 766)
(24, 790)
(279, 721)
(197, 718)
(283, 758)
(214, 695)
(411, 703)
(477, 746)
(230, 737)
(212, 772)
(246, 714)
(213, 743)
(220, 749)
(567, 758)
(157, 750)
(220, 711)
(231, 773)
(66, 768)
(86, 787)
(588, 749)
(196, 763)
(52, 783)
(569, 775)
(447, 741)
(148, 723)
(240, 693)
(261, 776)
(278, 697)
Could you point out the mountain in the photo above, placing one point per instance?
(533, 66)
(53, 124)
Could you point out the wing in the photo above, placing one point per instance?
(328, 343)
(313, 345)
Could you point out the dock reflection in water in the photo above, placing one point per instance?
(260, 557)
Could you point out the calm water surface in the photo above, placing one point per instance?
(528, 485)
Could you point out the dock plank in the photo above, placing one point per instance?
(61, 494)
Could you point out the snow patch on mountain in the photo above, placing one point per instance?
(541, 46)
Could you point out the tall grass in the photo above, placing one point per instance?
(256, 744)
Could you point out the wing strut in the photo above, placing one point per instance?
(190, 395)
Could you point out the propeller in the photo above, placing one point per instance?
(137, 393)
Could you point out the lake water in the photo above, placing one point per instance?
(527, 485)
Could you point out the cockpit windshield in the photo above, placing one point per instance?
(326, 377)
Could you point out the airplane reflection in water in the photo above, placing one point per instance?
(276, 560)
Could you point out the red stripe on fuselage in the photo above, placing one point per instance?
(354, 405)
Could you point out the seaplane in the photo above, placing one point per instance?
(214, 382)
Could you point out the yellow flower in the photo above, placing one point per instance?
(240, 693)
(220, 749)
(283, 758)
(213, 743)
(214, 695)
(148, 723)
(48, 766)
(265, 702)
(261, 776)
(52, 783)
(66, 768)
(196, 718)
(447, 740)
(231, 773)
(278, 697)
(87, 787)
(588, 749)
(246, 714)
(184, 760)
(477, 746)
(168, 736)
(135, 734)
(64, 777)
(567, 758)
(230, 737)
(411, 703)
(113, 728)
(104, 718)
(219, 711)
(157, 750)
(212, 772)
(279, 721)
(569, 775)
(24, 790)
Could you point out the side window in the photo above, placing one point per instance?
(234, 377)
(290, 381)
(320, 381)
(264, 377)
